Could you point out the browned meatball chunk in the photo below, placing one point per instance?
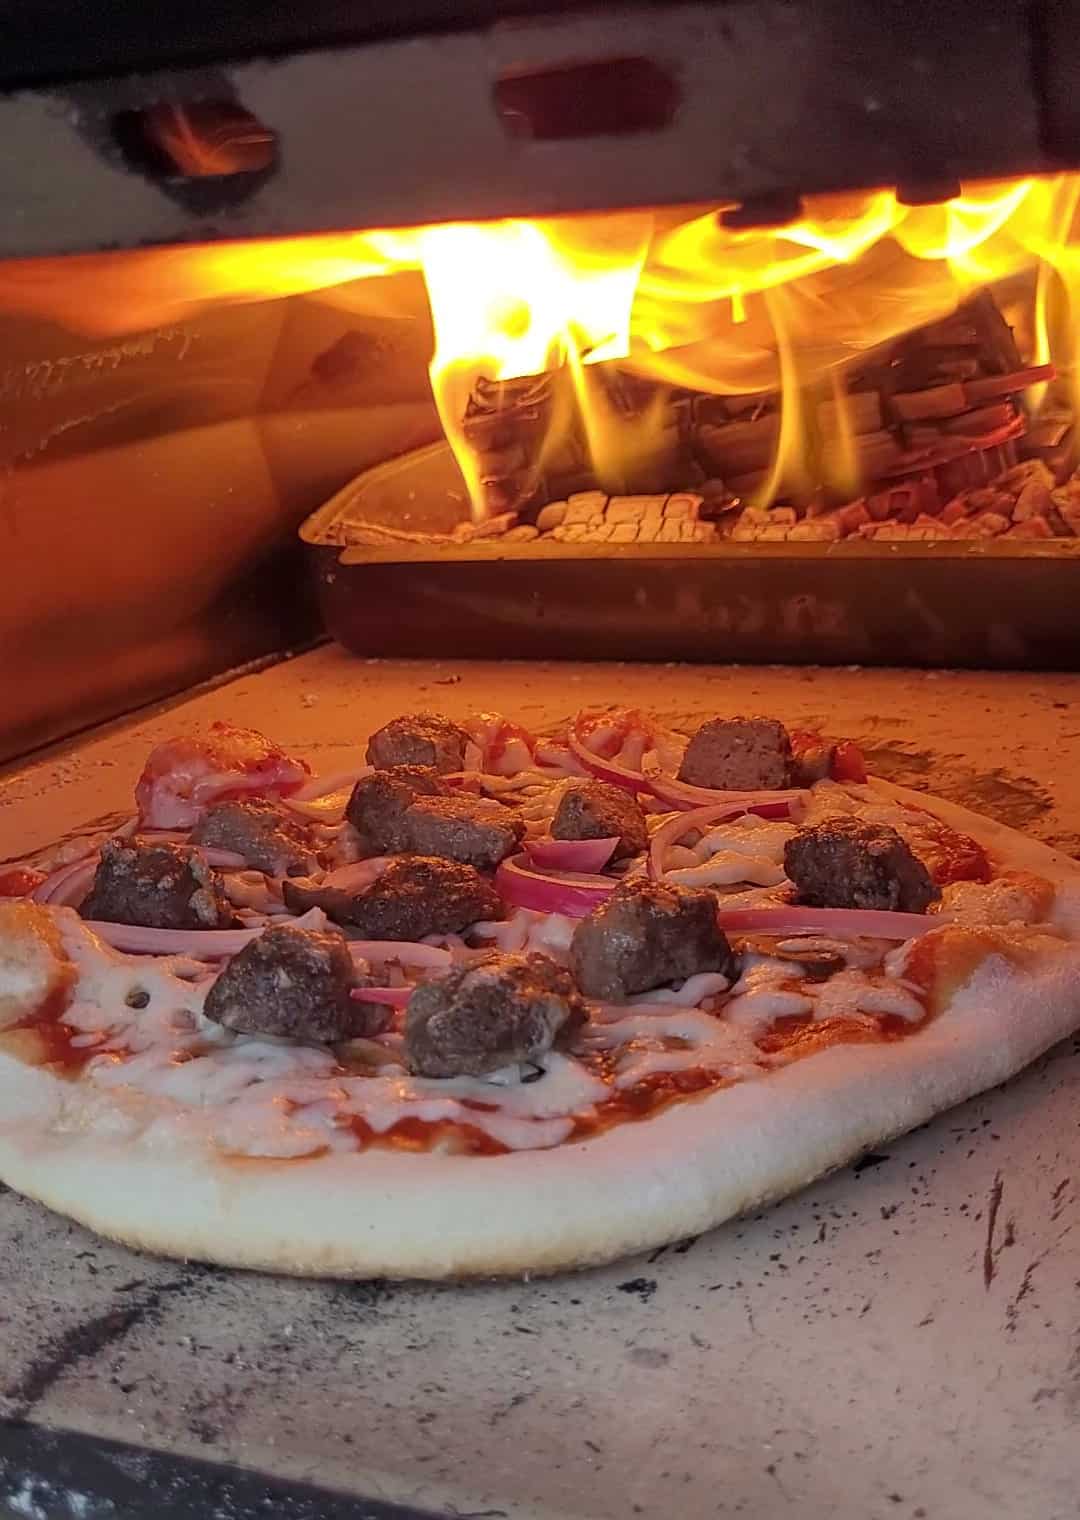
(595, 810)
(267, 836)
(409, 809)
(646, 934)
(160, 886)
(378, 802)
(419, 739)
(849, 863)
(414, 896)
(738, 755)
(470, 829)
(292, 982)
(498, 1010)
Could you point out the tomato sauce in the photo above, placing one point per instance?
(949, 855)
(412, 1134)
(20, 881)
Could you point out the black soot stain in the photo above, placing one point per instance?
(89, 1338)
(644, 1287)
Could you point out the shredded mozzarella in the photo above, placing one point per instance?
(140, 1020)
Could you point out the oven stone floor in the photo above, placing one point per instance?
(902, 1340)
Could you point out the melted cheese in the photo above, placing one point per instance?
(763, 838)
(748, 849)
(703, 1042)
(1009, 899)
(691, 994)
(726, 868)
(141, 1020)
(548, 933)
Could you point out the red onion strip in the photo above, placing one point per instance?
(407, 952)
(207, 944)
(222, 860)
(203, 944)
(606, 770)
(572, 893)
(69, 885)
(571, 854)
(699, 818)
(318, 809)
(354, 877)
(839, 923)
(393, 997)
(323, 786)
(680, 794)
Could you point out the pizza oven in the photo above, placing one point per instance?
(479, 344)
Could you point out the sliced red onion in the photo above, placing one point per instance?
(672, 831)
(768, 804)
(393, 997)
(840, 923)
(324, 786)
(317, 809)
(222, 860)
(407, 952)
(203, 944)
(357, 876)
(606, 770)
(572, 893)
(571, 854)
(66, 887)
(557, 758)
(206, 944)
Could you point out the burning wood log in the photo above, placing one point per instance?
(932, 424)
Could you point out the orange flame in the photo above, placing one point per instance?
(675, 296)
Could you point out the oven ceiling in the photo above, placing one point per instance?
(425, 111)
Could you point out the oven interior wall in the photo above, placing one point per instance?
(151, 481)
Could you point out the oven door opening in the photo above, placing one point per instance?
(838, 429)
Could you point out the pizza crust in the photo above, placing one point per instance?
(636, 1186)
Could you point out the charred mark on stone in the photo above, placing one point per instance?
(872, 1158)
(1058, 1199)
(60, 1354)
(82, 1342)
(372, 1293)
(644, 1287)
(991, 1220)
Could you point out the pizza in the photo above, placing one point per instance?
(494, 1002)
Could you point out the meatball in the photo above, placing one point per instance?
(160, 886)
(378, 802)
(738, 755)
(470, 829)
(595, 810)
(291, 982)
(848, 863)
(419, 739)
(414, 896)
(498, 1010)
(267, 836)
(409, 809)
(646, 934)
